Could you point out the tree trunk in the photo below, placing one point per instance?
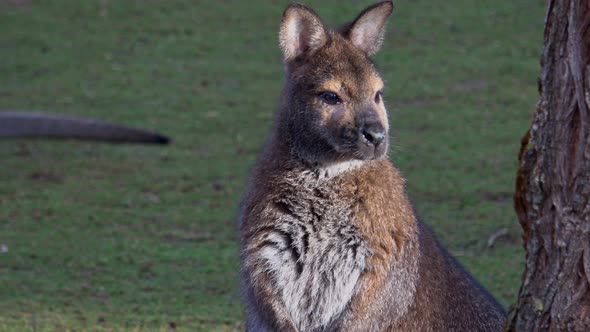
(552, 197)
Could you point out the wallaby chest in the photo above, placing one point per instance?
(314, 250)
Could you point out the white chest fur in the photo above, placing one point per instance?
(313, 252)
(315, 270)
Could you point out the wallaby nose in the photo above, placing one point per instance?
(374, 133)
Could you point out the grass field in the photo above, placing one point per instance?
(135, 238)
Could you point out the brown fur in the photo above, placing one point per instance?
(329, 239)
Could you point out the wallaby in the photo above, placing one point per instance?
(42, 125)
(329, 239)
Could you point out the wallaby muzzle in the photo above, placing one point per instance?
(372, 135)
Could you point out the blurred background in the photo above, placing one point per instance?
(101, 237)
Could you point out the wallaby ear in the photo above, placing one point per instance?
(301, 32)
(367, 30)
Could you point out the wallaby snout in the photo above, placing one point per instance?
(372, 134)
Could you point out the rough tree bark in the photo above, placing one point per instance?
(552, 197)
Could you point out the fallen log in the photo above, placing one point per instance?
(16, 124)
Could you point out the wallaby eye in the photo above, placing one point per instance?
(378, 96)
(330, 98)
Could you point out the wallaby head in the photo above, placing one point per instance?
(332, 104)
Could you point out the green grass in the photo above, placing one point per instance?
(117, 237)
